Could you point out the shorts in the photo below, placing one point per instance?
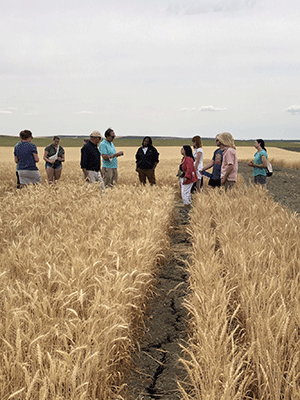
(54, 166)
(26, 177)
(260, 179)
(214, 182)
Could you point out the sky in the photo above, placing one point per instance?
(151, 67)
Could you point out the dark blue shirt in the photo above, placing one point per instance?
(90, 157)
(218, 158)
(24, 151)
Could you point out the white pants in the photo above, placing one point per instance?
(94, 176)
(186, 192)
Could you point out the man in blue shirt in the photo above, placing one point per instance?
(109, 157)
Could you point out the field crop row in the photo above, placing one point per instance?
(245, 300)
(76, 270)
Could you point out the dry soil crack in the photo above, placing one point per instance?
(156, 366)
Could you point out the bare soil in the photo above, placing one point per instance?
(283, 185)
(157, 368)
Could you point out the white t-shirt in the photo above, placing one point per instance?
(200, 165)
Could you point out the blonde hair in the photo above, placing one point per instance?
(226, 139)
(198, 141)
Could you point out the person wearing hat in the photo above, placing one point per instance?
(109, 157)
(90, 158)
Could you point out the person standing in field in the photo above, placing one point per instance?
(260, 163)
(229, 167)
(17, 173)
(26, 156)
(54, 156)
(187, 175)
(90, 159)
(198, 156)
(147, 158)
(216, 162)
(109, 158)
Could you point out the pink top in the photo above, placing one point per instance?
(230, 158)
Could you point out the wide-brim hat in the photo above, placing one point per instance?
(96, 134)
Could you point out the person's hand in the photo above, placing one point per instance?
(120, 153)
(250, 163)
(223, 180)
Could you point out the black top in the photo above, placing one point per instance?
(146, 161)
(90, 157)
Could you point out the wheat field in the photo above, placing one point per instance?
(78, 269)
(244, 300)
(171, 153)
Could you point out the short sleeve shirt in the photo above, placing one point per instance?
(217, 158)
(109, 149)
(258, 160)
(196, 151)
(230, 158)
(52, 150)
(24, 151)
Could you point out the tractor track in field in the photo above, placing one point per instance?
(156, 364)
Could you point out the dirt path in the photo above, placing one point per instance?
(157, 368)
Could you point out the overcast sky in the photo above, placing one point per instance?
(151, 67)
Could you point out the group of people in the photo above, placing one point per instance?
(224, 162)
(191, 170)
(26, 158)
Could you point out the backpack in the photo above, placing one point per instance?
(269, 169)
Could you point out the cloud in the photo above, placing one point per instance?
(202, 109)
(210, 108)
(5, 112)
(192, 7)
(294, 110)
(85, 112)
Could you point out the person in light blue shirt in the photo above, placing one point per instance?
(109, 157)
(260, 163)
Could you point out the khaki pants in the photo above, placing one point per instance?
(110, 176)
(146, 173)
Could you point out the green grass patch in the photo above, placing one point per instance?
(10, 141)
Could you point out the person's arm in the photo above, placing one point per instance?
(16, 159)
(36, 157)
(227, 173)
(197, 161)
(46, 157)
(86, 175)
(83, 163)
(62, 157)
(209, 165)
(188, 165)
(263, 165)
(108, 157)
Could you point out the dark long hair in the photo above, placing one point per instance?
(188, 151)
(262, 143)
(150, 140)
